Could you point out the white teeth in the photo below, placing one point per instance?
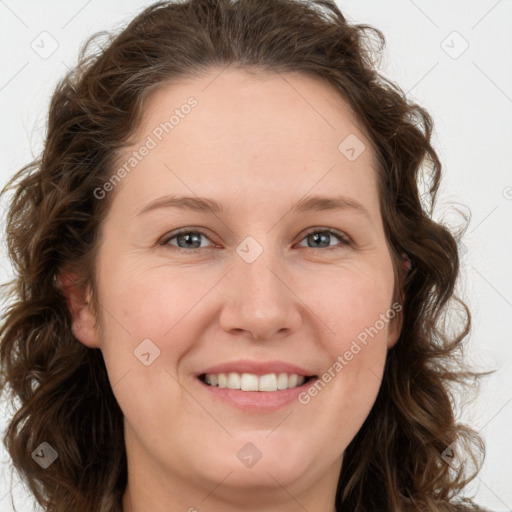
(212, 379)
(234, 381)
(223, 380)
(268, 382)
(250, 382)
(282, 381)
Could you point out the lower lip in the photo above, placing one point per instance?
(259, 401)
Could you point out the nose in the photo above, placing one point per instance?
(259, 300)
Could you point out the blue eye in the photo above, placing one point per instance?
(190, 240)
(321, 236)
(186, 239)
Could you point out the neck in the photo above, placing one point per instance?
(133, 503)
(159, 490)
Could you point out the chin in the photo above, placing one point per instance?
(259, 462)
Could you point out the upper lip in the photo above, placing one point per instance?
(257, 368)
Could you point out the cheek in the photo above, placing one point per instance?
(355, 305)
(142, 304)
(152, 315)
(145, 318)
(358, 311)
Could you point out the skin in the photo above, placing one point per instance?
(256, 145)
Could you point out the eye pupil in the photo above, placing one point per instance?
(189, 239)
(317, 237)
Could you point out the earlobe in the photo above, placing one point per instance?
(79, 304)
(406, 264)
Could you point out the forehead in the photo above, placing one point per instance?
(250, 133)
(252, 104)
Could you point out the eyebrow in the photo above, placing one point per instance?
(304, 205)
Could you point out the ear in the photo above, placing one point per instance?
(79, 304)
(396, 324)
(394, 330)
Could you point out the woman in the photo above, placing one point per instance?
(298, 360)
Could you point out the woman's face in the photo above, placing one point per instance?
(254, 292)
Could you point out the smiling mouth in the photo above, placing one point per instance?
(250, 382)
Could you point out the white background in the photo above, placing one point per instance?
(470, 98)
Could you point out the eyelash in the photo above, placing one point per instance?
(344, 239)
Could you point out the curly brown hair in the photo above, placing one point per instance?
(63, 394)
